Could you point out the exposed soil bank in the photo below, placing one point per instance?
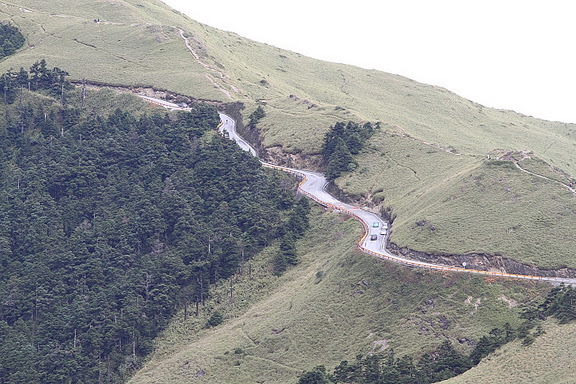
(145, 90)
(482, 262)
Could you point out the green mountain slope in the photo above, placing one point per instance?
(133, 42)
(441, 198)
(549, 360)
(137, 42)
(335, 304)
(143, 42)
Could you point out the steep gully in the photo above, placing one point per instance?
(313, 185)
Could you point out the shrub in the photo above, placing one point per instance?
(215, 319)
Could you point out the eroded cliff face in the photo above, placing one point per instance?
(482, 262)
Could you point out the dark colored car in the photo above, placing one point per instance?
(373, 237)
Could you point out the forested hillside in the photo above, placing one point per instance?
(110, 224)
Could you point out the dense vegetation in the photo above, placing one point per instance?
(445, 362)
(293, 229)
(256, 116)
(39, 78)
(441, 364)
(10, 40)
(341, 143)
(109, 225)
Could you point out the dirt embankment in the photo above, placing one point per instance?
(482, 262)
(277, 156)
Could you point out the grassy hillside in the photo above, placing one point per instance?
(335, 304)
(137, 42)
(428, 163)
(549, 360)
(134, 43)
(441, 198)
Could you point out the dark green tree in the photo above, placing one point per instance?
(288, 249)
(315, 376)
(256, 116)
(11, 39)
(279, 263)
(341, 160)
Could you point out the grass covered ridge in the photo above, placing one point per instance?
(441, 198)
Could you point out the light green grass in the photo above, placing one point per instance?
(473, 204)
(543, 169)
(129, 46)
(549, 360)
(280, 327)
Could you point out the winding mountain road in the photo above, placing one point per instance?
(313, 185)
